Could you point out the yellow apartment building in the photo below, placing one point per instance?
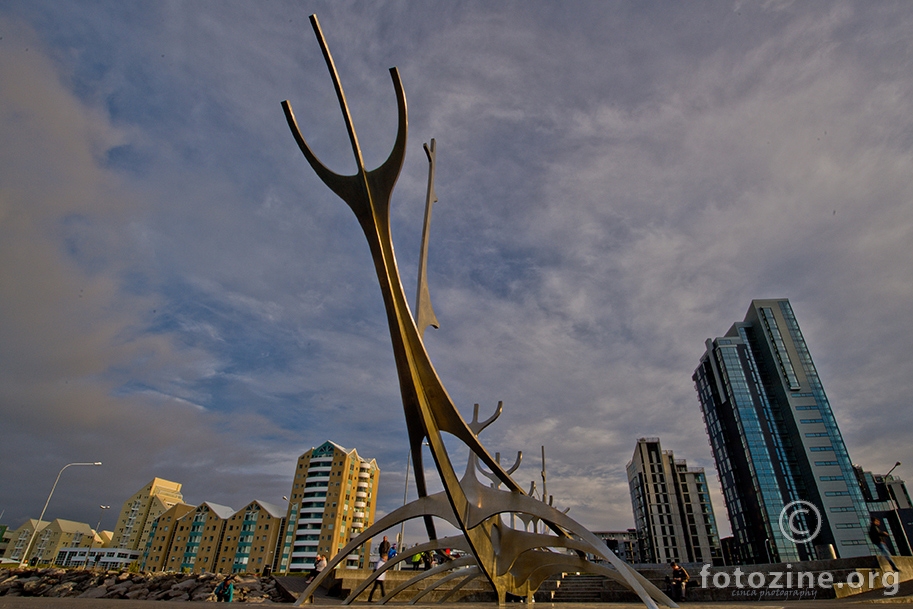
(333, 499)
(215, 539)
(51, 538)
(195, 548)
(161, 537)
(140, 511)
(250, 540)
(19, 538)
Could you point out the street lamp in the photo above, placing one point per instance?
(895, 513)
(28, 547)
(97, 526)
(402, 526)
(274, 559)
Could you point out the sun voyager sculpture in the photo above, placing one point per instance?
(502, 526)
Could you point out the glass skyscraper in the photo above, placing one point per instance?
(776, 442)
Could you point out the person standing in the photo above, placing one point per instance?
(379, 580)
(384, 548)
(879, 537)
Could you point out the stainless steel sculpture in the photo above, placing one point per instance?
(515, 560)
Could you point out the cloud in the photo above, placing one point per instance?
(179, 291)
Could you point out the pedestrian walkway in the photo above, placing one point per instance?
(22, 602)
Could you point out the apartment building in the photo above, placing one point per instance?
(52, 537)
(198, 538)
(139, 511)
(251, 536)
(673, 514)
(333, 499)
(161, 537)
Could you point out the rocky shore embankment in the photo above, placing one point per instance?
(55, 582)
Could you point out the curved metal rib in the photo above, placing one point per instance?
(472, 574)
(467, 573)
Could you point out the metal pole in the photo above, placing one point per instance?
(28, 547)
(544, 488)
(402, 526)
(288, 523)
(895, 511)
(92, 541)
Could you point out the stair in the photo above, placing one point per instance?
(574, 588)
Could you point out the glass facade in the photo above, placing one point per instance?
(775, 441)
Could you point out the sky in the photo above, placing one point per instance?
(181, 297)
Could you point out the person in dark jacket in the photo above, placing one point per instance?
(680, 579)
(879, 537)
(384, 549)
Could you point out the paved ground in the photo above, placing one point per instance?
(101, 603)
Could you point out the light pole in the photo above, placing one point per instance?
(278, 548)
(28, 547)
(402, 527)
(97, 526)
(895, 512)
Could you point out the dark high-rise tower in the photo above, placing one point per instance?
(776, 442)
(672, 509)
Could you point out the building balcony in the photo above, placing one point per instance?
(310, 553)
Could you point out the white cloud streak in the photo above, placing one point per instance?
(615, 185)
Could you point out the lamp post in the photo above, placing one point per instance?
(402, 527)
(97, 526)
(28, 547)
(275, 554)
(895, 512)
